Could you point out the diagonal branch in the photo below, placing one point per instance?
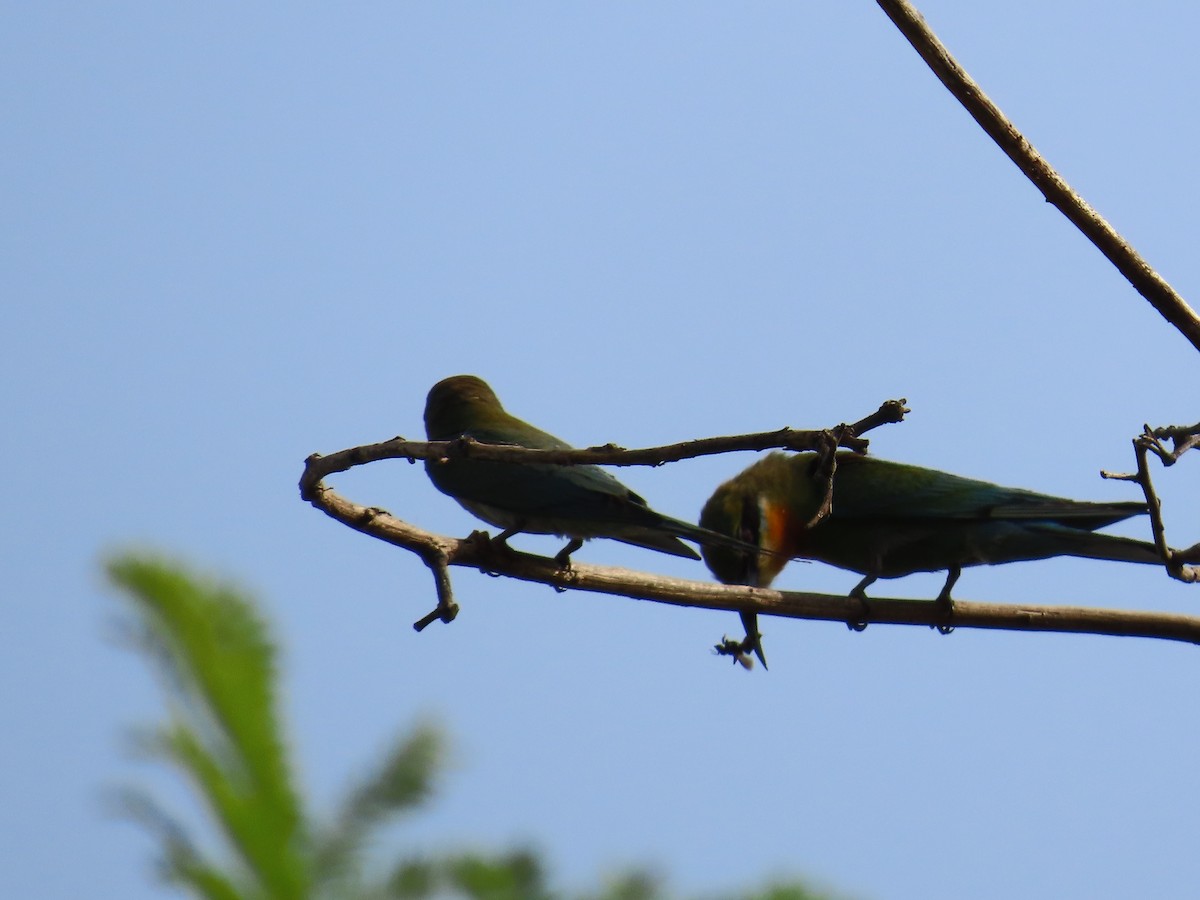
(1000, 129)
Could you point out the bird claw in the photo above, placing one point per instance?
(947, 606)
(945, 603)
(860, 624)
(859, 593)
(491, 545)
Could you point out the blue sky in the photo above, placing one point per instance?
(238, 235)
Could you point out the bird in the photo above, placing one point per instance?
(891, 519)
(576, 502)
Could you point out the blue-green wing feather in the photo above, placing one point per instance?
(866, 487)
(582, 492)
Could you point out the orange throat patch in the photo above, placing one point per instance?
(775, 536)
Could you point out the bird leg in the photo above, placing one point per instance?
(502, 538)
(859, 592)
(497, 545)
(943, 599)
(563, 557)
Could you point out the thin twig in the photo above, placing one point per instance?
(1183, 438)
(1175, 561)
(318, 467)
(826, 468)
(447, 609)
(890, 412)
(1148, 283)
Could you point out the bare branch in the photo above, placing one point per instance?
(447, 609)
(832, 439)
(477, 553)
(318, 467)
(1148, 283)
(1182, 437)
(1175, 561)
(439, 552)
(890, 412)
(824, 471)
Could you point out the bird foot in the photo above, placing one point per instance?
(859, 593)
(489, 545)
(860, 624)
(563, 559)
(945, 603)
(947, 608)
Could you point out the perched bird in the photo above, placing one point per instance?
(577, 502)
(889, 519)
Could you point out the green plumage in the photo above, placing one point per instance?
(889, 519)
(578, 502)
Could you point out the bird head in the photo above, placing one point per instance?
(739, 510)
(455, 404)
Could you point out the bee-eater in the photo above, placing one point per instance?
(577, 502)
(889, 519)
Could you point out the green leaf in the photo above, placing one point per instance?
(220, 668)
(181, 863)
(517, 876)
(401, 783)
(635, 885)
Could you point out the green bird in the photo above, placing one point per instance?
(890, 519)
(576, 502)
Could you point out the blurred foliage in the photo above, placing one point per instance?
(218, 661)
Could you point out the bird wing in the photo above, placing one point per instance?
(866, 487)
(584, 491)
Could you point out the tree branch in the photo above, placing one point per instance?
(477, 551)
(1183, 438)
(318, 467)
(1148, 283)
(439, 552)
(1176, 561)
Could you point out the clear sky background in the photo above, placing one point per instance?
(235, 235)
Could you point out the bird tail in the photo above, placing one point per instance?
(664, 534)
(706, 537)
(1091, 545)
(657, 540)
